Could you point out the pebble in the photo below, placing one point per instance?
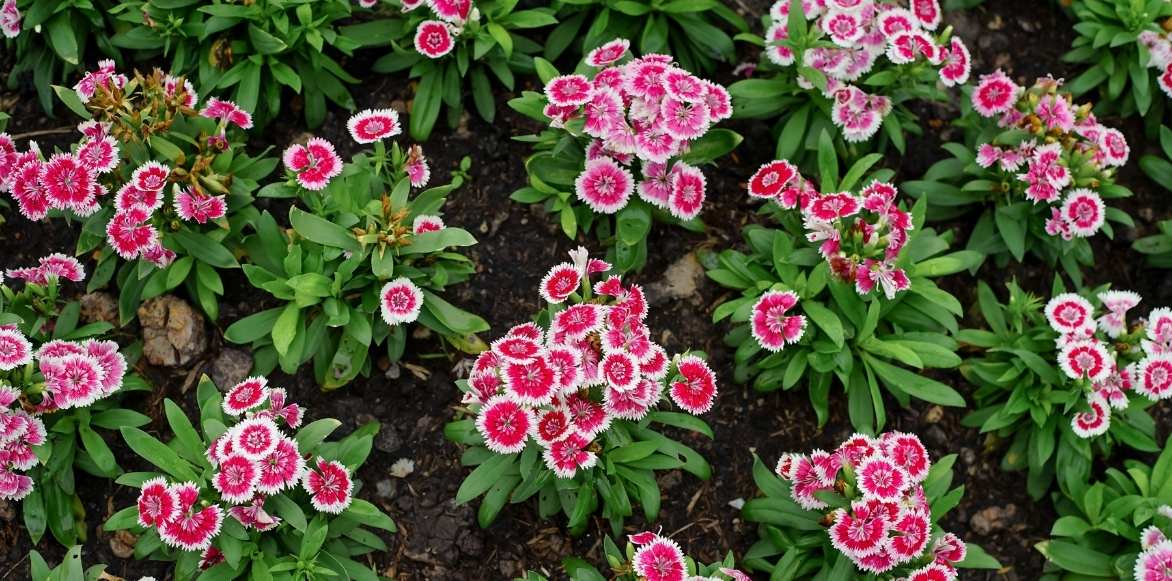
(99, 307)
(402, 468)
(230, 367)
(173, 332)
(992, 519)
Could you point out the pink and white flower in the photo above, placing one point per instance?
(694, 390)
(373, 125)
(1069, 313)
(605, 186)
(996, 93)
(609, 53)
(329, 486)
(660, 560)
(771, 326)
(15, 349)
(505, 425)
(247, 395)
(400, 301)
(314, 164)
(433, 39)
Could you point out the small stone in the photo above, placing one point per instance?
(388, 440)
(230, 367)
(992, 519)
(402, 468)
(670, 480)
(99, 307)
(386, 489)
(680, 281)
(936, 437)
(934, 414)
(122, 544)
(737, 503)
(173, 332)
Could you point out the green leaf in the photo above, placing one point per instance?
(714, 144)
(825, 319)
(484, 476)
(205, 249)
(915, 385)
(157, 453)
(322, 231)
(62, 36)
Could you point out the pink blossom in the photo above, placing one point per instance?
(329, 486)
(433, 39)
(400, 301)
(609, 53)
(371, 125)
(314, 163)
(771, 326)
(194, 206)
(505, 424)
(605, 186)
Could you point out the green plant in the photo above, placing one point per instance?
(58, 382)
(1105, 525)
(1036, 169)
(1124, 48)
(1024, 397)
(694, 31)
(255, 49)
(228, 515)
(811, 507)
(865, 282)
(564, 409)
(57, 39)
(463, 50)
(851, 87)
(1158, 247)
(332, 271)
(647, 556)
(70, 568)
(581, 168)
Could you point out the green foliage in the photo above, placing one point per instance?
(70, 568)
(577, 569)
(695, 32)
(1023, 398)
(1116, 61)
(866, 344)
(327, 270)
(305, 544)
(492, 44)
(1158, 247)
(1097, 534)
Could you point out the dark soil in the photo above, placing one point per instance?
(412, 401)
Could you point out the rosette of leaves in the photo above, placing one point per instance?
(867, 345)
(560, 156)
(306, 542)
(1158, 247)
(75, 437)
(1007, 225)
(58, 39)
(492, 45)
(150, 125)
(695, 32)
(1097, 534)
(1023, 398)
(328, 268)
(622, 569)
(792, 542)
(1116, 61)
(249, 51)
(802, 114)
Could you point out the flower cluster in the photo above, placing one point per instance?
(1154, 562)
(647, 109)
(436, 38)
(9, 19)
(56, 375)
(1109, 359)
(861, 32)
(596, 363)
(252, 461)
(314, 163)
(888, 523)
(658, 558)
(860, 235)
(1066, 154)
(1159, 47)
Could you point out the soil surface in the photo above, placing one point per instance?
(412, 401)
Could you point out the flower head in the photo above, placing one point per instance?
(329, 486)
(314, 163)
(401, 301)
(371, 125)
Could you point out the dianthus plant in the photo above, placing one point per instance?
(1037, 167)
(840, 291)
(564, 408)
(362, 260)
(56, 383)
(252, 490)
(447, 43)
(52, 41)
(849, 67)
(696, 33)
(161, 184)
(626, 138)
(70, 568)
(1158, 246)
(869, 507)
(1116, 528)
(258, 53)
(1058, 380)
(1127, 53)
(648, 556)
